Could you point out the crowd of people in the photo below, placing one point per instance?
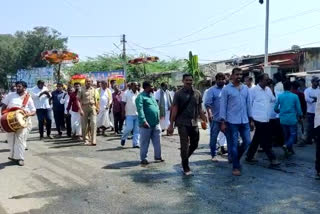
(275, 113)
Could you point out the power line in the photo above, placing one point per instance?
(210, 25)
(93, 36)
(152, 50)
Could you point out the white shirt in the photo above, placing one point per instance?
(104, 98)
(15, 100)
(317, 113)
(309, 93)
(40, 102)
(157, 97)
(130, 99)
(261, 102)
(65, 100)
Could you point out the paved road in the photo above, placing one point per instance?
(61, 176)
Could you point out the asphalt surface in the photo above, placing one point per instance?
(62, 176)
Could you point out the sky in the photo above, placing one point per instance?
(212, 29)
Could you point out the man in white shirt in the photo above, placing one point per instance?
(164, 100)
(261, 99)
(311, 95)
(41, 96)
(17, 140)
(105, 101)
(131, 115)
(65, 101)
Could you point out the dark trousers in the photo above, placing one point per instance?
(68, 122)
(118, 122)
(276, 132)
(310, 128)
(318, 150)
(262, 137)
(44, 115)
(189, 140)
(59, 120)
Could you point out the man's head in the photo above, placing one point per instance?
(70, 89)
(104, 84)
(315, 82)
(164, 86)
(13, 88)
(227, 75)
(187, 80)
(236, 75)
(295, 85)
(302, 82)
(220, 79)
(263, 80)
(134, 86)
(129, 85)
(77, 86)
(287, 85)
(116, 88)
(248, 81)
(112, 83)
(40, 84)
(59, 86)
(88, 83)
(147, 86)
(138, 86)
(98, 83)
(21, 87)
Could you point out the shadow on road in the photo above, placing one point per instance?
(119, 148)
(65, 146)
(122, 165)
(4, 165)
(4, 150)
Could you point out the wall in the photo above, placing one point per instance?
(312, 60)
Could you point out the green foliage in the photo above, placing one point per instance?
(23, 50)
(193, 68)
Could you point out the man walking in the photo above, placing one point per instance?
(311, 94)
(288, 106)
(65, 101)
(58, 108)
(17, 140)
(261, 100)
(235, 111)
(131, 115)
(41, 97)
(212, 104)
(105, 101)
(164, 100)
(88, 110)
(73, 105)
(117, 109)
(148, 114)
(186, 108)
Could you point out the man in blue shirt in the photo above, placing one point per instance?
(288, 105)
(212, 104)
(58, 108)
(235, 111)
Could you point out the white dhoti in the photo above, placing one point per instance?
(75, 123)
(222, 140)
(165, 121)
(103, 119)
(17, 143)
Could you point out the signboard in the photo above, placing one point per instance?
(118, 75)
(31, 76)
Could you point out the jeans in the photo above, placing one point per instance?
(59, 120)
(290, 135)
(236, 150)
(317, 165)
(310, 128)
(189, 140)
(118, 122)
(132, 124)
(262, 136)
(276, 132)
(153, 134)
(44, 115)
(214, 132)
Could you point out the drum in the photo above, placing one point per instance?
(12, 121)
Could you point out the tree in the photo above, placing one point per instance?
(193, 68)
(23, 50)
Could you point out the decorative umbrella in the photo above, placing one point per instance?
(143, 60)
(57, 57)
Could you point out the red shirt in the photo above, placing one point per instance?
(116, 102)
(73, 102)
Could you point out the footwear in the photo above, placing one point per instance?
(285, 150)
(275, 163)
(214, 159)
(93, 144)
(11, 159)
(136, 147)
(144, 162)
(187, 173)
(236, 172)
(41, 138)
(50, 137)
(251, 161)
(123, 142)
(26, 149)
(87, 143)
(21, 162)
(158, 160)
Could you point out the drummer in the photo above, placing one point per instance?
(17, 140)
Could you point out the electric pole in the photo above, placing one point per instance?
(124, 57)
(266, 44)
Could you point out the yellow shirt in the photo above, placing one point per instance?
(88, 96)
